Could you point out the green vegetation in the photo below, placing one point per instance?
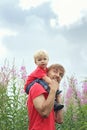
(13, 110)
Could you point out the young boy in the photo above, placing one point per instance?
(41, 59)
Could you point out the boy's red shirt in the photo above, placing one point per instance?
(37, 73)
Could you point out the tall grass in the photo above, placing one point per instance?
(13, 110)
(75, 100)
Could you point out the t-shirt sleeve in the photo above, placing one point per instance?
(37, 90)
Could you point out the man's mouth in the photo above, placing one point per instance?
(56, 79)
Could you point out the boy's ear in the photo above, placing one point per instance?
(35, 61)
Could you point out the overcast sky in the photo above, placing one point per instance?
(57, 26)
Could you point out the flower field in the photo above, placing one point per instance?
(13, 110)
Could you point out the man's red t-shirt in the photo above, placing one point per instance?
(36, 121)
(37, 73)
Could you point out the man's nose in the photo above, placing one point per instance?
(57, 74)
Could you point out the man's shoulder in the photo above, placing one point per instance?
(38, 87)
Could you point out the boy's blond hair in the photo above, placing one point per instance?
(40, 53)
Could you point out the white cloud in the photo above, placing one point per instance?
(84, 55)
(26, 4)
(3, 50)
(53, 22)
(7, 32)
(69, 11)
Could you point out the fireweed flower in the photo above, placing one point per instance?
(71, 96)
(69, 93)
(22, 77)
(4, 75)
(23, 72)
(84, 86)
(68, 96)
(84, 93)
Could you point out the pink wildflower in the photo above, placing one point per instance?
(69, 93)
(84, 87)
(23, 72)
(84, 93)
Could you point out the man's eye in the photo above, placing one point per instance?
(61, 75)
(55, 71)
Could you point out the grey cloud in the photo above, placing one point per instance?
(33, 28)
(43, 11)
(8, 2)
(77, 34)
(13, 16)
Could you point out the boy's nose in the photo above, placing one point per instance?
(42, 61)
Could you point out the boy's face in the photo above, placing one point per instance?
(42, 61)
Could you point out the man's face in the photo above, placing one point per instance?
(55, 74)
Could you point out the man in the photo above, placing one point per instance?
(40, 103)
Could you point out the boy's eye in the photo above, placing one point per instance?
(42, 59)
(39, 59)
(45, 58)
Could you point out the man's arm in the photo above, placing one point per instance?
(45, 106)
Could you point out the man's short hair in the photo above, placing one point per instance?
(57, 67)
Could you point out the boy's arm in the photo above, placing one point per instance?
(47, 79)
(59, 113)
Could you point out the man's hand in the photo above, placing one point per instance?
(54, 85)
